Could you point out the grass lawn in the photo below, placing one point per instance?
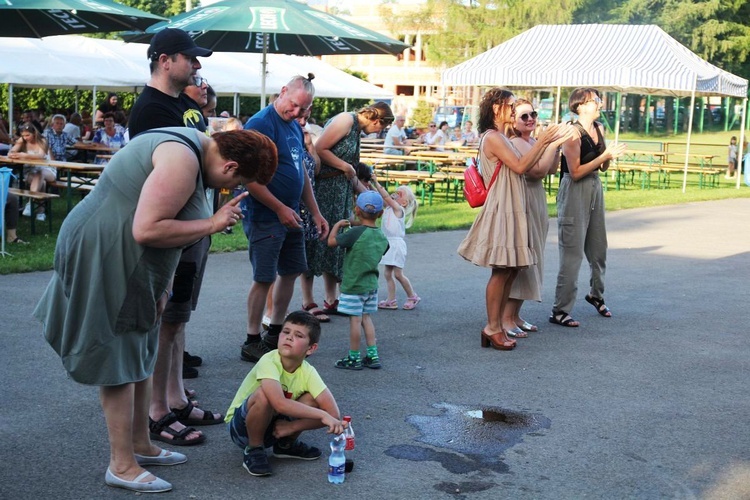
(441, 215)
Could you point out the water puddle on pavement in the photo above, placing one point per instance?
(475, 438)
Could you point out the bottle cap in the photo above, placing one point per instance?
(347, 418)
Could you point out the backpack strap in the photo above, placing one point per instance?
(187, 140)
(497, 166)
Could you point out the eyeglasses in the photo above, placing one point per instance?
(199, 81)
(529, 116)
(433, 126)
(385, 121)
(597, 100)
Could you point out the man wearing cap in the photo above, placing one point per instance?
(272, 221)
(173, 63)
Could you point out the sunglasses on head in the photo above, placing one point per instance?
(199, 81)
(529, 116)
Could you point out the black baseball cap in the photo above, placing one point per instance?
(172, 41)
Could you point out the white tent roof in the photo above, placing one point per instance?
(76, 61)
(624, 58)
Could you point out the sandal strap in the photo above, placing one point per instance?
(163, 423)
(184, 413)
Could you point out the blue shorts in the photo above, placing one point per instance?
(357, 305)
(274, 249)
(238, 428)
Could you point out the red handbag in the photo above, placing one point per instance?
(474, 190)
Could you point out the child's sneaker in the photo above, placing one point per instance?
(255, 461)
(373, 363)
(349, 363)
(298, 450)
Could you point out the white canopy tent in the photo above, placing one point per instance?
(617, 58)
(73, 61)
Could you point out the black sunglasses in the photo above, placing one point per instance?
(529, 116)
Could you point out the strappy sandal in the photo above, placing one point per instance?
(528, 327)
(179, 438)
(516, 333)
(332, 308)
(411, 302)
(388, 304)
(598, 303)
(183, 416)
(316, 311)
(563, 319)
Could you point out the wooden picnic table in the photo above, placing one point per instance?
(70, 181)
(94, 147)
(648, 162)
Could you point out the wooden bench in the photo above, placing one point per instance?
(37, 200)
(623, 170)
(707, 176)
(80, 183)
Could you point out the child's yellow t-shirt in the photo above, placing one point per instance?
(304, 379)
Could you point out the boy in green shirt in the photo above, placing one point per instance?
(283, 385)
(365, 246)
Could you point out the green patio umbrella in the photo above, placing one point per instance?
(39, 18)
(276, 27)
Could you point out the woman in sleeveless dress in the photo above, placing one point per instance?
(499, 237)
(528, 283)
(338, 148)
(115, 256)
(580, 208)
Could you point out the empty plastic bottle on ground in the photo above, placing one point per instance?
(337, 460)
(349, 433)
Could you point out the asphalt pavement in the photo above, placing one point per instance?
(651, 403)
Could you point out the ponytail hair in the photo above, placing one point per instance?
(302, 82)
(378, 111)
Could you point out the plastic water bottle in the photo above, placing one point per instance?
(337, 460)
(349, 433)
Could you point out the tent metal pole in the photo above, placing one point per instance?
(76, 97)
(11, 125)
(346, 104)
(703, 109)
(618, 103)
(677, 114)
(93, 106)
(557, 105)
(690, 131)
(726, 114)
(263, 72)
(648, 112)
(236, 105)
(742, 143)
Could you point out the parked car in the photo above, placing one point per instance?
(451, 114)
(546, 110)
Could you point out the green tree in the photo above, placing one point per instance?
(716, 30)
(456, 30)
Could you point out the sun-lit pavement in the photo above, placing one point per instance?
(651, 403)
